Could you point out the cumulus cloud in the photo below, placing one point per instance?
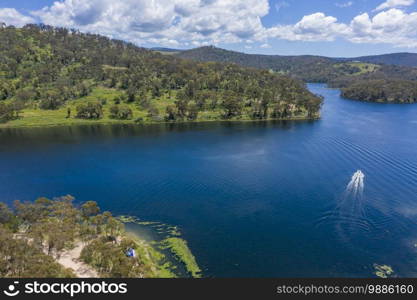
(344, 4)
(162, 21)
(392, 26)
(191, 23)
(314, 27)
(394, 3)
(11, 16)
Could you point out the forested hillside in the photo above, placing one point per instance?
(56, 76)
(392, 91)
(400, 59)
(352, 74)
(307, 68)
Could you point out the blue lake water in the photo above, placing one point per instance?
(253, 199)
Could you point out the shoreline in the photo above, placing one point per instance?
(131, 122)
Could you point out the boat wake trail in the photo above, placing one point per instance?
(352, 199)
(356, 185)
(349, 216)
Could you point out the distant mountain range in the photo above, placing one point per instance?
(399, 59)
(211, 53)
(312, 68)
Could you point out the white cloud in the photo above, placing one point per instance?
(192, 23)
(281, 4)
(394, 3)
(392, 26)
(344, 4)
(11, 16)
(266, 45)
(314, 27)
(162, 21)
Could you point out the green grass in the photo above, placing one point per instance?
(364, 67)
(107, 67)
(180, 249)
(152, 258)
(168, 52)
(35, 117)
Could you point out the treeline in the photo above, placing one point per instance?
(387, 84)
(360, 80)
(9, 111)
(308, 68)
(34, 234)
(46, 67)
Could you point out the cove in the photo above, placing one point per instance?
(253, 199)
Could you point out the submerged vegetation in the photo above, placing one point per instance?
(383, 271)
(169, 238)
(33, 237)
(180, 248)
(53, 76)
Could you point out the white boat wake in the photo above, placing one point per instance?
(356, 185)
(349, 215)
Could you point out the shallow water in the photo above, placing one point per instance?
(253, 199)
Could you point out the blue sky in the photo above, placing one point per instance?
(286, 27)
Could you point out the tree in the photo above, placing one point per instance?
(51, 99)
(121, 112)
(20, 259)
(192, 113)
(25, 95)
(231, 105)
(131, 95)
(153, 114)
(89, 208)
(5, 214)
(171, 113)
(8, 112)
(90, 110)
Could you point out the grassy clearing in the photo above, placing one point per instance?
(364, 67)
(35, 117)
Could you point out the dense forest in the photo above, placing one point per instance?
(354, 75)
(90, 77)
(34, 235)
(392, 91)
(307, 68)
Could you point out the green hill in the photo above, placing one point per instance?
(400, 59)
(53, 76)
(354, 74)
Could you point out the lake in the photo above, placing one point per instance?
(253, 199)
